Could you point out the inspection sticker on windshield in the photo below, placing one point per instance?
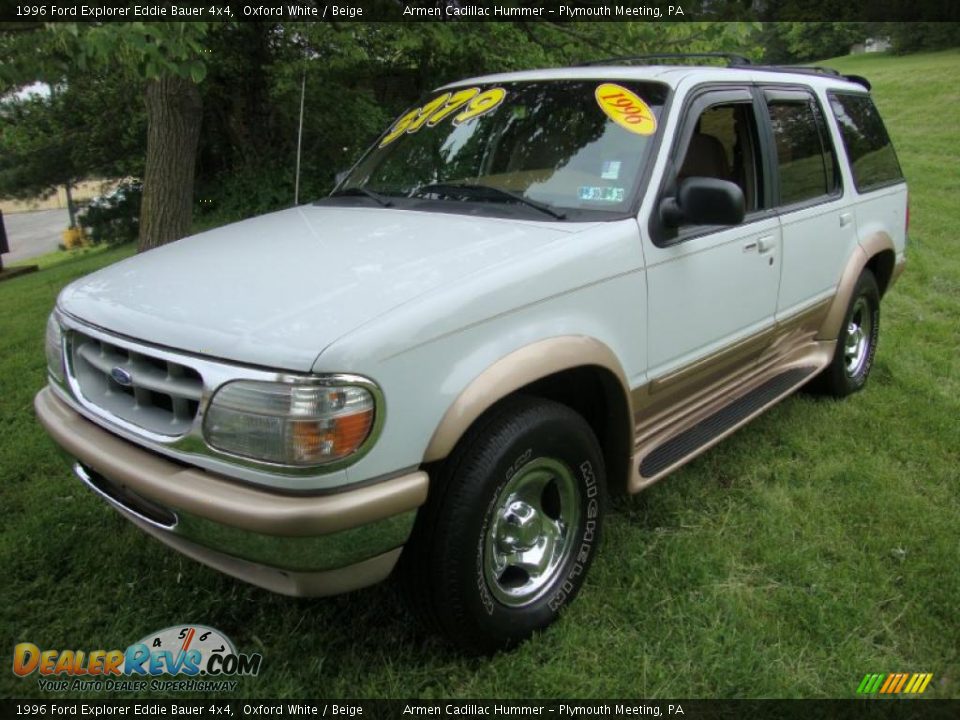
(626, 109)
(468, 104)
(610, 170)
(603, 194)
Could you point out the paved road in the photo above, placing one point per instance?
(33, 233)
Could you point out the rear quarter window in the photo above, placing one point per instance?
(872, 158)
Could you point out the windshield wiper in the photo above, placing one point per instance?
(489, 191)
(363, 192)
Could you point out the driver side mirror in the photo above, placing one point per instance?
(704, 201)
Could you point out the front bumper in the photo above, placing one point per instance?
(291, 544)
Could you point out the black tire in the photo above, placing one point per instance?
(527, 483)
(847, 373)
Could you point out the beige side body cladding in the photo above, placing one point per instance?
(671, 405)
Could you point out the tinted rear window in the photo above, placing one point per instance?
(804, 154)
(872, 159)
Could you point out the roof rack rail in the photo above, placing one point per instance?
(802, 69)
(733, 60)
(813, 70)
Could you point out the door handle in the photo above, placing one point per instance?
(766, 244)
(845, 219)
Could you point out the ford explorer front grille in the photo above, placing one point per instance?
(147, 391)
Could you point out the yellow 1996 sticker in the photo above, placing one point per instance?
(626, 109)
(468, 104)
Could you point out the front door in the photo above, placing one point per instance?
(714, 288)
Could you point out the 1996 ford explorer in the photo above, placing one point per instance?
(533, 290)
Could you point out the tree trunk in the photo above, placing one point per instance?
(174, 112)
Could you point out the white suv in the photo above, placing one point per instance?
(535, 289)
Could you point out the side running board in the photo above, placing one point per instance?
(728, 417)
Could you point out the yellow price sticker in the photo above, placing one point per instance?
(626, 109)
(468, 104)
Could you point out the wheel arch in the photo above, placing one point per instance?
(875, 252)
(578, 371)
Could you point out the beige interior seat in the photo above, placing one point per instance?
(705, 157)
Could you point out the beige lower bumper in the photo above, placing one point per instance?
(286, 582)
(297, 545)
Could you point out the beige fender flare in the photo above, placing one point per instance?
(869, 247)
(514, 371)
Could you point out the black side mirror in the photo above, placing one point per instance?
(704, 201)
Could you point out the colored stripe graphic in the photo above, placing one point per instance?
(902, 680)
(894, 683)
(887, 683)
(866, 686)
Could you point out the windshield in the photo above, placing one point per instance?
(569, 148)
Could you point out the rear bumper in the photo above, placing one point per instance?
(296, 545)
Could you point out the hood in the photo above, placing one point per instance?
(277, 289)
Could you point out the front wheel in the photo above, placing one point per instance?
(848, 371)
(505, 541)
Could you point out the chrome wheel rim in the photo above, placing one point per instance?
(530, 531)
(856, 347)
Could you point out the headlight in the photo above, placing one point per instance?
(289, 423)
(54, 348)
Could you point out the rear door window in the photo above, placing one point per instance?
(806, 163)
(872, 158)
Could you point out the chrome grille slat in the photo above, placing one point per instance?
(162, 396)
(146, 375)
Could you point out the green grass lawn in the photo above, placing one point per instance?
(820, 543)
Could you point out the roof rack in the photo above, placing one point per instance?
(733, 60)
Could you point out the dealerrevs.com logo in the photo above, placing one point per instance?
(203, 658)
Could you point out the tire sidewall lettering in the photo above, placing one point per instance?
(581, 557)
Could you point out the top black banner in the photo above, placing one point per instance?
(340, 11)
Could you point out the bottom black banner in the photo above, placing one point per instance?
(894, 709)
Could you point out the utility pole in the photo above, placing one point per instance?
(303, 92)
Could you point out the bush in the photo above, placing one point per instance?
(114, 218)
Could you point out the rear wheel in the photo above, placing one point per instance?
(511, 526)
(848, 371)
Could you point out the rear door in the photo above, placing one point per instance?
(817, 220)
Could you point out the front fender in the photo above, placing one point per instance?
(514, 371)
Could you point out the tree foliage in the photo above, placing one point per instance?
(796, 42)
(243, 81)
(65, 137)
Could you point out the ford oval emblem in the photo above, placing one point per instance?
(121, 376)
